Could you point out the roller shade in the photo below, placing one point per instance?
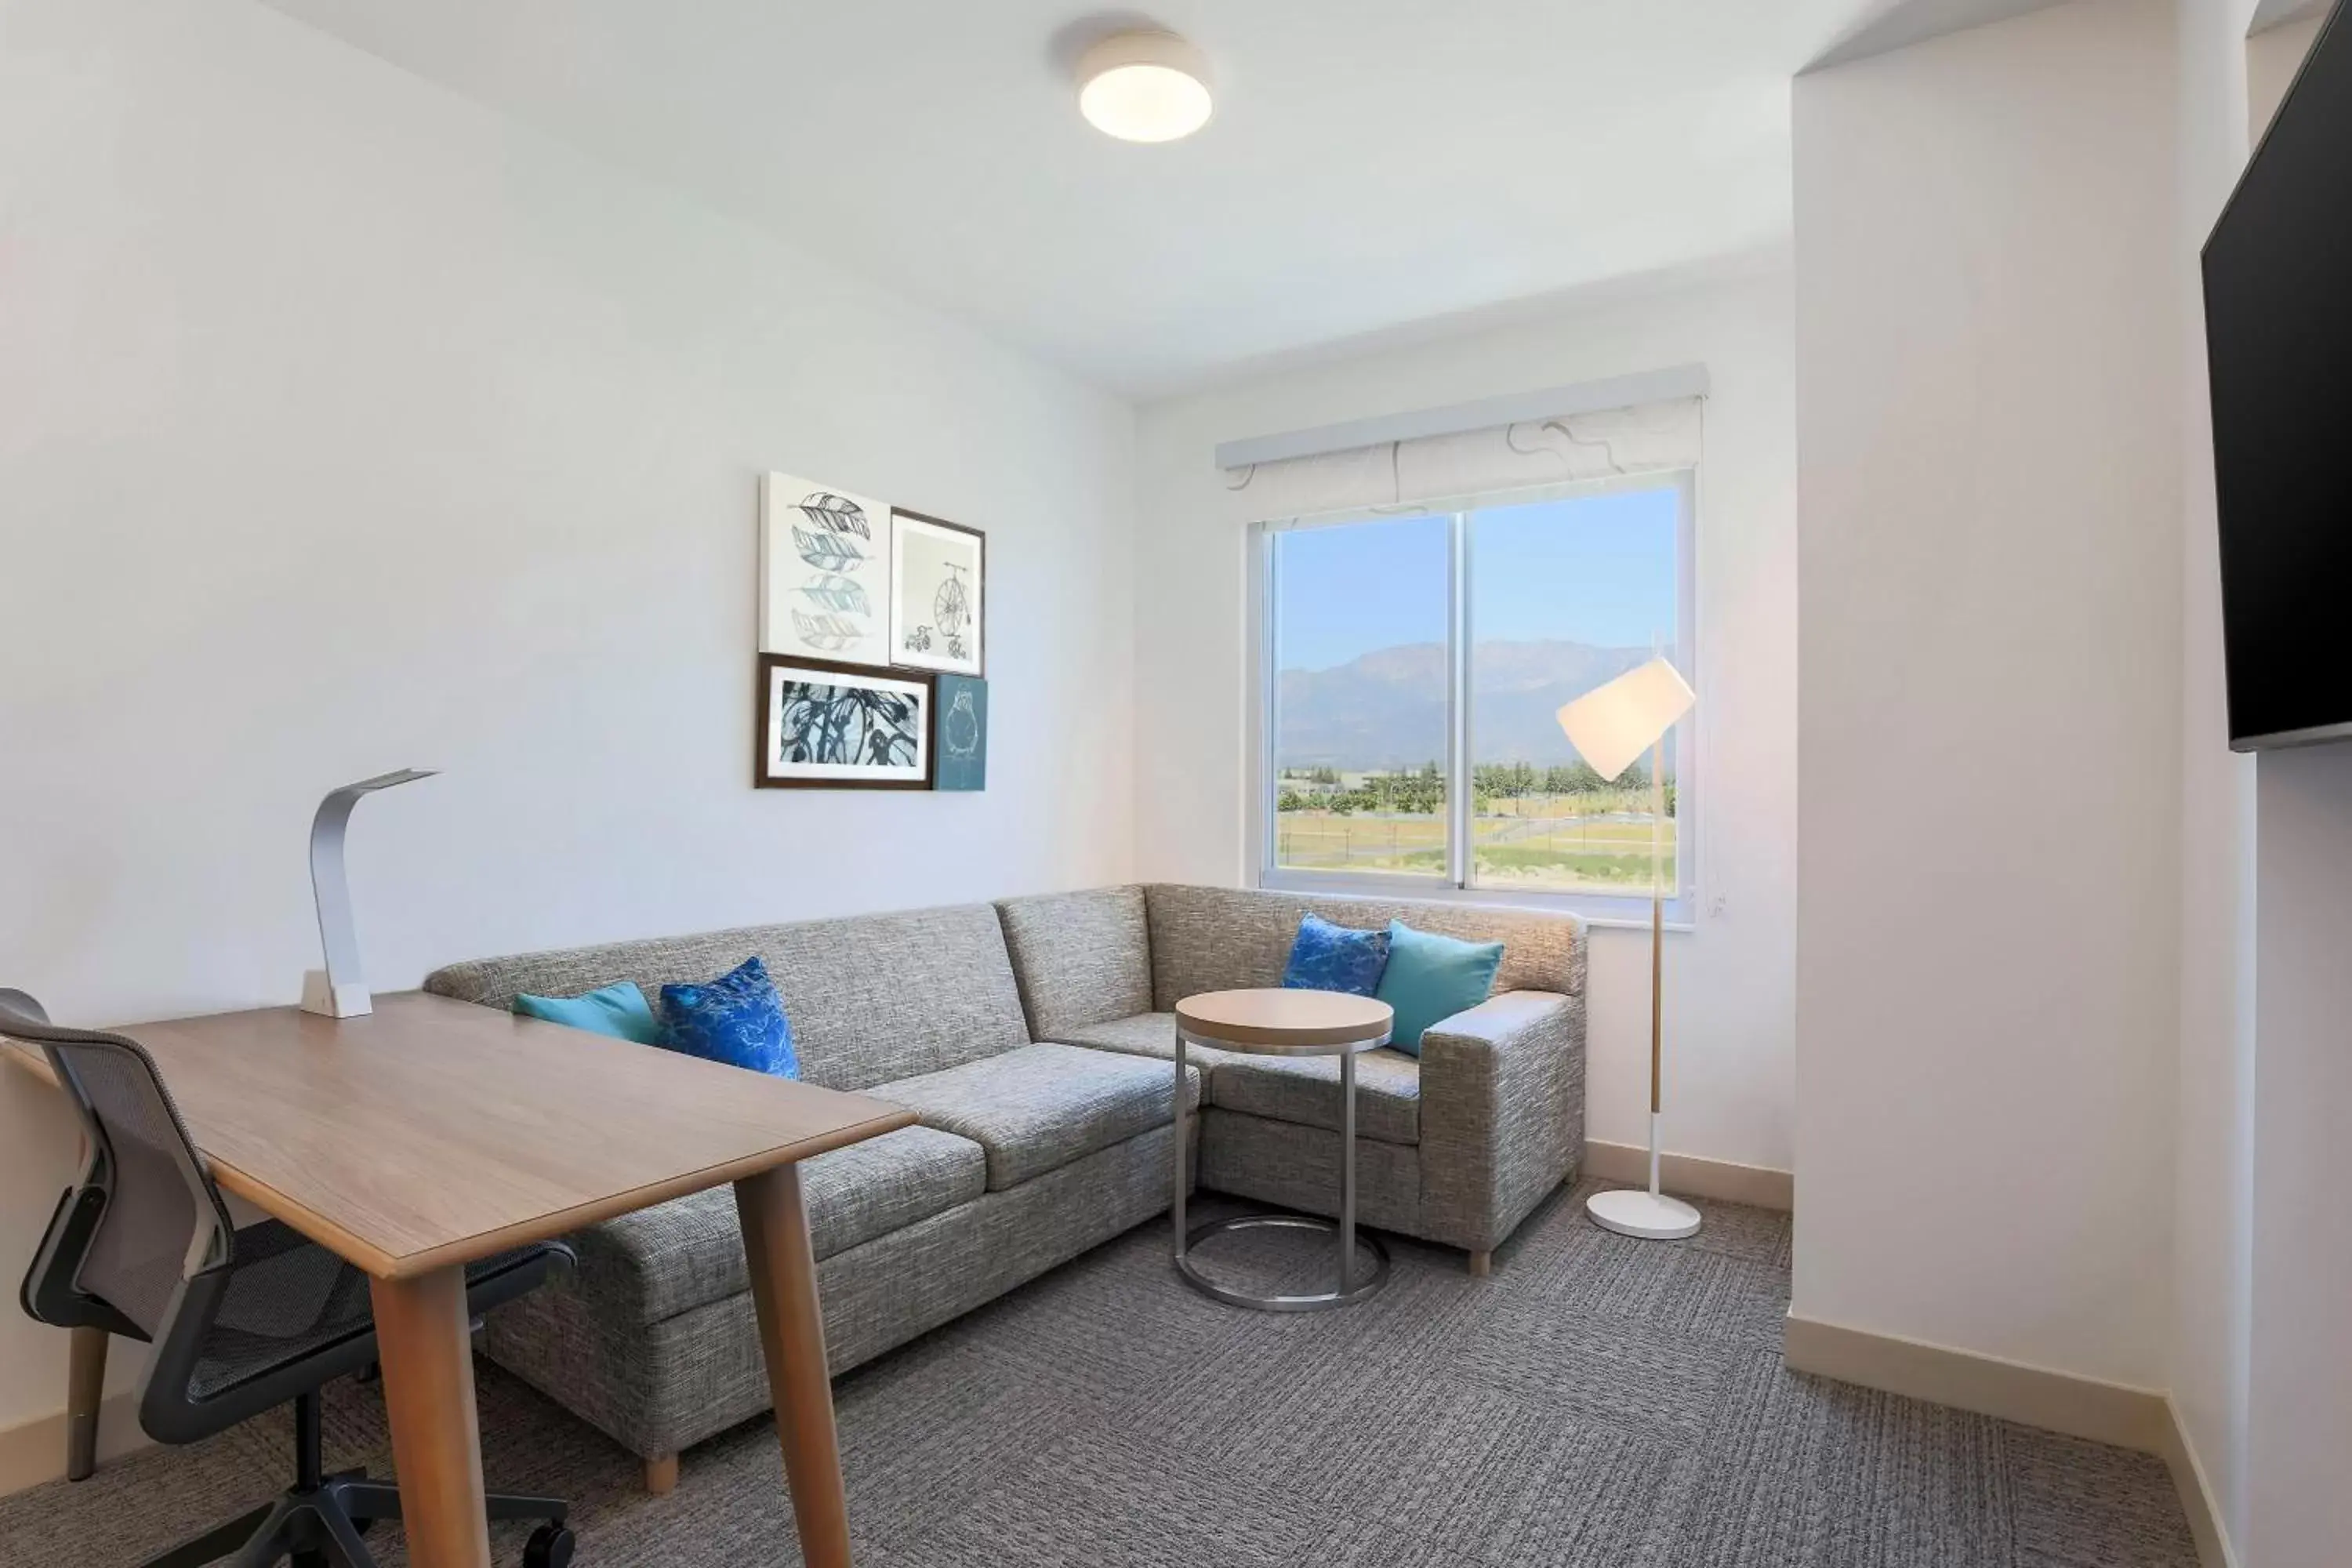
(1645, 438)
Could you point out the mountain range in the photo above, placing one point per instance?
(1386, 709)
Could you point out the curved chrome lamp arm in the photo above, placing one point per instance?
(338, 990)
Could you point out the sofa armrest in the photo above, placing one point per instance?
(1502, 1113)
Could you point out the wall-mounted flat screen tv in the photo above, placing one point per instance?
(2278, 331)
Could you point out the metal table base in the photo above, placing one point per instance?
(1346, 1287)
(1317, 1302)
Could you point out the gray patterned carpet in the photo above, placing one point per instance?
(1599, 1400)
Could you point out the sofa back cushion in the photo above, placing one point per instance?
(1081, 958)
(1222, 939)
(870, 998)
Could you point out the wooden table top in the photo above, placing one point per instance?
(1288, 1023)
(433, 1131)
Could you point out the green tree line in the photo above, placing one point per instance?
(1423, 790)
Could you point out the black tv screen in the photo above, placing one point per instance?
(2278, 331)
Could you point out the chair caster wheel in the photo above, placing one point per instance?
(549, 1546)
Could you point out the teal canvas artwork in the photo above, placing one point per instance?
(960, 745)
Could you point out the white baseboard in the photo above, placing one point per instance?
(34, 1452)
(2117, 1413)
(2197, 1499)
(1692, 1176)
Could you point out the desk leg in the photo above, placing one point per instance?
(791, 1335)
(85, 1394)
(436, 1439)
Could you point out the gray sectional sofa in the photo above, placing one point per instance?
(1035, 1039)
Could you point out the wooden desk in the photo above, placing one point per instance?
(434, 1133)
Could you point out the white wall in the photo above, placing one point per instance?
(2207, 1356)
(1728, 1007)
(2272, 57)
(2261, 1354)
(2298, 1452)
(1989, 803)
(344, 426)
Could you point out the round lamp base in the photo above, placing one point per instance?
(1629, 1211)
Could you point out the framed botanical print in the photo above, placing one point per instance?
(938, 604)
(828, 725)
(824, 572)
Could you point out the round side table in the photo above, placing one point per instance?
(1285, 1023)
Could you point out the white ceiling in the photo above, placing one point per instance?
(1372, 162)
(1901, 23)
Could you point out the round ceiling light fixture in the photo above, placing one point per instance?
(1144, 87)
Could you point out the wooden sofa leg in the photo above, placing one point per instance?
(661, 1474)
(1481, 1264)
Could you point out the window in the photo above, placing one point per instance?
(1413, 666)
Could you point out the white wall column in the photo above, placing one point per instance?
(1989, 555)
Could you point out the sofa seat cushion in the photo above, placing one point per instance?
(856, 1193)
(1147, 1035)
(656, 1263)
(1039, 1107)
(1305, 1091)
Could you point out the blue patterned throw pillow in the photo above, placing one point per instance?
(737, 1018)
(1327, 957)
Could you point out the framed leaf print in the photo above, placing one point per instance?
(828, 725)
(937, 609)
(824, 572)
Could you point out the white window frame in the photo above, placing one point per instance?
(1453, 885)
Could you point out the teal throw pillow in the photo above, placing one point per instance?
(1430, 978)
(1327, 957)
(737, 1018)
(619, 1010)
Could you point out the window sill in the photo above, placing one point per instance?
(1600, 912)
(1672, 926)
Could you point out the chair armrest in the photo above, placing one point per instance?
(1502, 1113)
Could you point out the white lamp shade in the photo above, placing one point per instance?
(1611, 725)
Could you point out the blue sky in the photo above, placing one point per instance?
(1595, 569)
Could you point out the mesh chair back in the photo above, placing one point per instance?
(160, 1201)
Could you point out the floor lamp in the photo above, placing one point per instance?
(1610, 726)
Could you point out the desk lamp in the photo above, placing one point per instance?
(338, 990)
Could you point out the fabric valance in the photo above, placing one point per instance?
(1648, 438)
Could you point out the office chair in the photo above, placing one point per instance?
(241, 1320)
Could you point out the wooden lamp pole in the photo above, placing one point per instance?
(1657, 936)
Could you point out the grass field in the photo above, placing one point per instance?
(1556, 843)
